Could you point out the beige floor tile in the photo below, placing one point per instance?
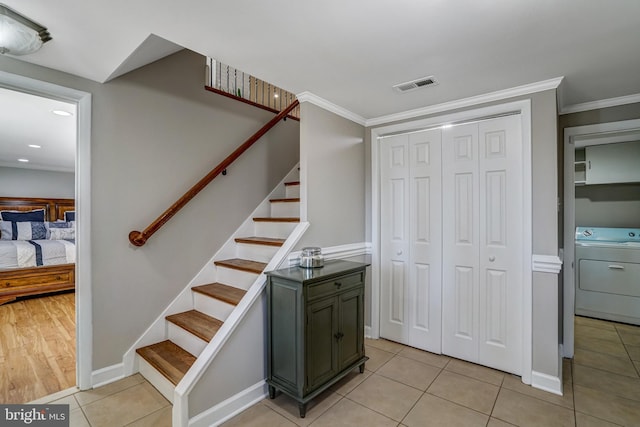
(69, 400)
(160, 418)
(409, 372)
(347, 413)
(432, 411)
(637, 364)
(600, 346)
(124, 407)
(77, 418)
(437, 360)
(259, 416)
(605, 381)
(605, 362)
(514, 383)
(494, 422)
(351, 381)
(634, 352)
(86, 397)
(471, 393)
(388, 397)
(377, 358)
(524, 411)
(288, 407)
(475, 371)
(596, 323)
(583, 331)
(632, 329)
(386, 345)
(606, 406)
(630, 338)
(584, 420)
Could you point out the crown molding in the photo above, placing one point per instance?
(603, 103)
(468, 102)
(330, 106)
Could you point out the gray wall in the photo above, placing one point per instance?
(546, 306)
(19, 182)
(332, 150)
(155, 132)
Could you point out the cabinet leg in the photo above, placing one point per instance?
(302, 407)
(362, 368)
(272, 392)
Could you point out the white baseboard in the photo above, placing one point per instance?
(231, 407)
(546, 382)
(367, 332)
(107, 375)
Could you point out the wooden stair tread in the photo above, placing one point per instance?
(292, 183)
(243, 265)
(169, 359)
(277, 219)
(286, 200)
(266, 241)
(228, 294)
(199, 324)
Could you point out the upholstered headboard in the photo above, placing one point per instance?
(54, 209)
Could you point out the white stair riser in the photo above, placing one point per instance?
(211, 306)
(279, 230)
(163, 385)
(292, 191)
(285, 209)
(232, 277)
(261, 253)
(185, 339)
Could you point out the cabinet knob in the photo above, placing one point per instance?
(338, 284)
(338, 335)
(399, 252)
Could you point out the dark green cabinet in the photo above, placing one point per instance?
(315, 332)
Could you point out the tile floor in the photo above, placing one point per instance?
(402, 386)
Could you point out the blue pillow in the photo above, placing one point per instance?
(70, 216)
(28, 216)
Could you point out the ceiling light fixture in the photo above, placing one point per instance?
(34, 146)
(20, 35)
(62, 113)
(23, 160)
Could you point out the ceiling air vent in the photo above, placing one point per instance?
(416, 84)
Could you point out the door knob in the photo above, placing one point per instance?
(492, 258)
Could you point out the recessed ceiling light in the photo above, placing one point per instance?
(34, 146)
(23, 160)
(62, 113)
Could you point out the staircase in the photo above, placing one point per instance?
(188, 331)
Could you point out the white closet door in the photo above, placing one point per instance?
(460, 226)
(394, 237)
(411, 257)
(501, 237)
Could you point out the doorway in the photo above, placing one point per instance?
(575, 137)
(82, 101)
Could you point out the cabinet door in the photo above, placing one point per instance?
(322, 350)
(350, 327)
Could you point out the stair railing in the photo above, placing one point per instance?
(139, 238)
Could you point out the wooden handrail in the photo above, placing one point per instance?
(139, 238)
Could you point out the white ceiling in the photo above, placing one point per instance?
(27, 119)
(351, 52)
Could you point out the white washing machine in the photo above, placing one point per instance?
(608, 273)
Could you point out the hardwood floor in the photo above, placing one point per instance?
(37, 347)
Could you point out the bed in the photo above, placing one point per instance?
(33, 263)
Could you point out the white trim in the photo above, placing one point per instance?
(546, 382)
(524, 108)
(336, 252)
(584, 135)
(546, 263)
(231, 407)
(330, 106)
(84, 323)
(603, 103)
(367, 332)
(107, 375)
(468, 102)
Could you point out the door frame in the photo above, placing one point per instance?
(582, 136)
(523, 108)
(84, 332)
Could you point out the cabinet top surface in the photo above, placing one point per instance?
(307, 275)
